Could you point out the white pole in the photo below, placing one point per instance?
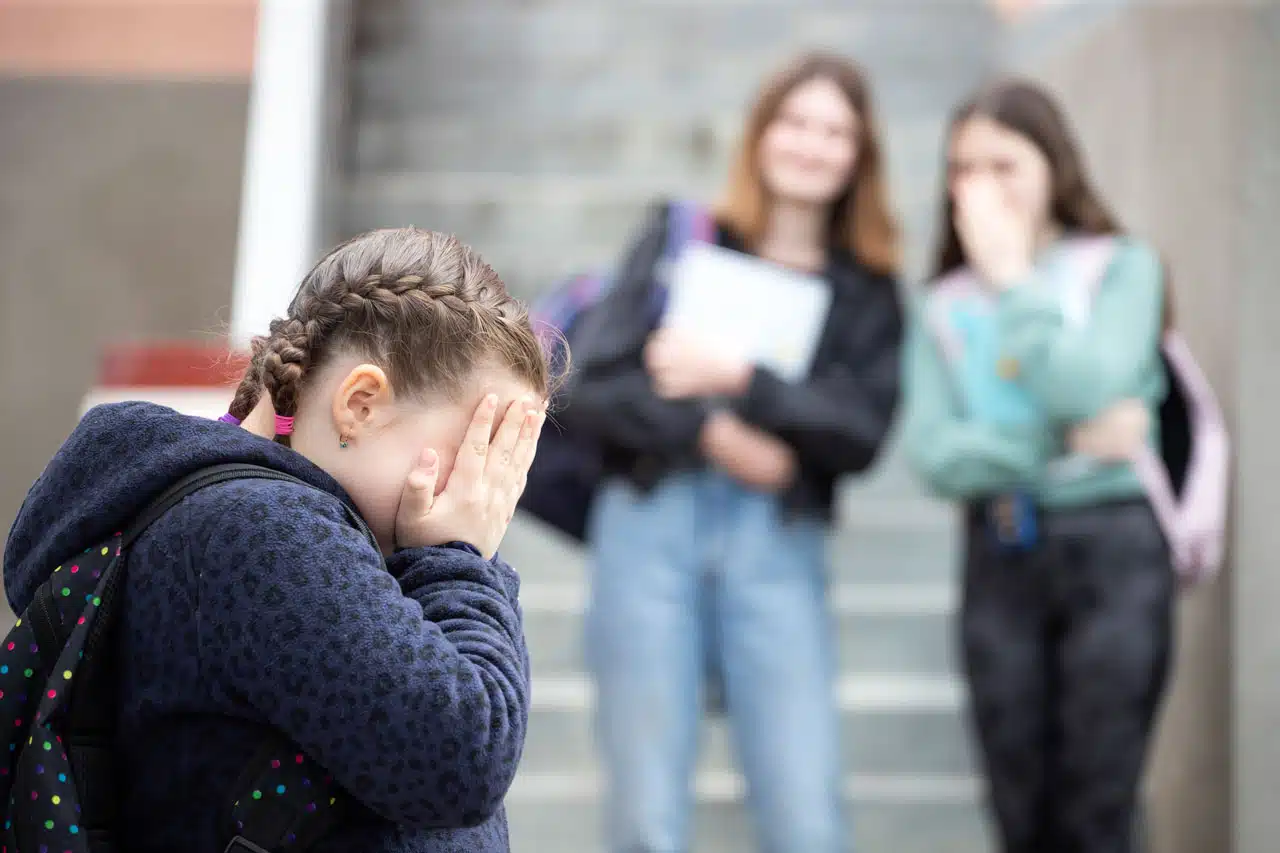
(281, 196)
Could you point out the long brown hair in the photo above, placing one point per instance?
(421, 305)
(1028, 110)
(861, 221)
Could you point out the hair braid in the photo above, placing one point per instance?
(421, 305)
(284, 364)
(250, 387)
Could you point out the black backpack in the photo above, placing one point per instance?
(566, 471)
(58, 781)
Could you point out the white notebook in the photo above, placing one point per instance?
(762, 312)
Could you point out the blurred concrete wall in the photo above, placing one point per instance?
(1167, 98)
(1255, 586)
(120, 170)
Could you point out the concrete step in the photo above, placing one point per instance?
(541, 820)
(891, 725)
(461, 109)
(539, 258)
(537, 228)
(533, 229)
(881, 543)
(580, 59)
(903, 628)
(891, 478)
(535, 145)
(399, 14)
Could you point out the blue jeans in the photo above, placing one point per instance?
(701, 565)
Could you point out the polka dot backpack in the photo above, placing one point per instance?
(57, 699)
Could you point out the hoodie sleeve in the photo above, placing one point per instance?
(959, 458)
(1077, 371)
(409, 683)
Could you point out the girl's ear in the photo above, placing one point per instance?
(358, 398)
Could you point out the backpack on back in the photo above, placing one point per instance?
(566, 471)
(59, 778)
(1187, 478)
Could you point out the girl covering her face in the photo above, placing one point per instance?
(404, 384)
(1031, 381)
(708, 535)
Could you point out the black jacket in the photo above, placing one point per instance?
(836, 421)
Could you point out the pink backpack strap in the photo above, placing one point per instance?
(943, 294)
(1195, 521)
(1094, 255)
(1089, 258)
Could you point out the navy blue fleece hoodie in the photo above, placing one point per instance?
(256, 603)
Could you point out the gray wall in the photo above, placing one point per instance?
(118, 204)
(1255, 590)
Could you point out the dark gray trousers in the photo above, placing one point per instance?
(1066, 649)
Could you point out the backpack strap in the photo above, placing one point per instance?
(1089, 259)
(90, 709)
(1194, 520)
(943, 294)
(212, 475)
(686, 222)
(91, 712)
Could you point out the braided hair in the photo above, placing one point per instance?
(421, 305)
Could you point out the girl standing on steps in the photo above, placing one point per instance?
(710, 530)
(1032, 376)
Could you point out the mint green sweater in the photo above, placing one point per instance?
(971, 433)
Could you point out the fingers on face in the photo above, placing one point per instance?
(511, 451)
(504, 443)
(516, 475)
(420, 487)
(527, 446)
(470, 464)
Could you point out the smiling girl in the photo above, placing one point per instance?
(710, 531)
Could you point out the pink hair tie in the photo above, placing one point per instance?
(284, 426)
(229, 418)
